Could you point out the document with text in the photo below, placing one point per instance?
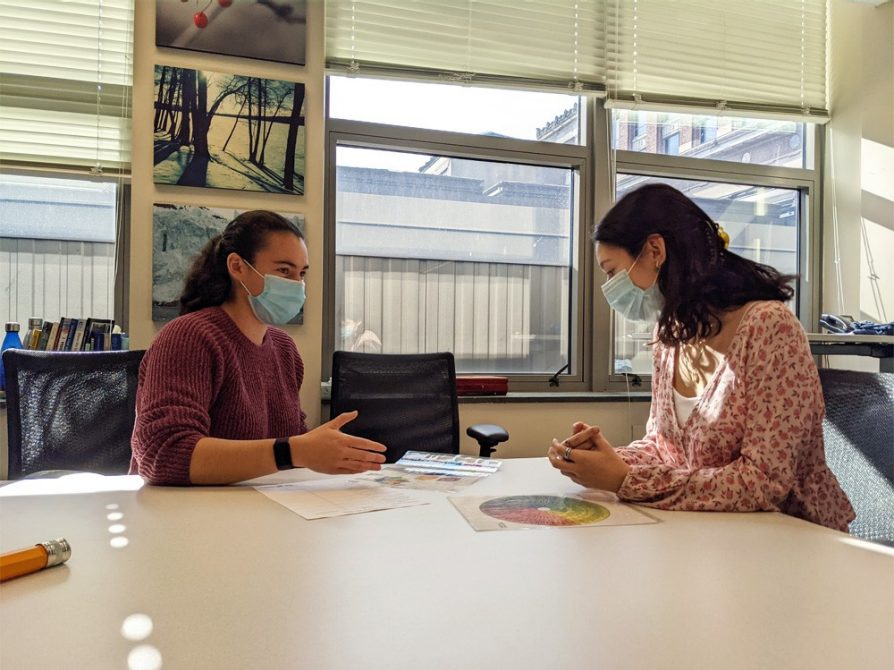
(323, 498)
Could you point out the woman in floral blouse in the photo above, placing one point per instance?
(737, 407)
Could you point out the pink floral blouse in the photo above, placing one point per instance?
(754, 440)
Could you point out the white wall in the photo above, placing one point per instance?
(858, 217)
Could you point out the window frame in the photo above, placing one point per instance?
(121, 287)
(807, 181)
(592, 340)
(342, 132)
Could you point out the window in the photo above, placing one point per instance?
(65, 147)
(671, 144)
(703, 130)
(57, 245)
(749, 176)
(637, 131)
(420, 174)
(756, 141)
(526, 115)
(446, 235)
(66, 70)
(460, 230)
(763, 225)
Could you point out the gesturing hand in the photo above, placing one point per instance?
(328, 450)
(594, 463)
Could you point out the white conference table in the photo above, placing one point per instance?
(231, 579)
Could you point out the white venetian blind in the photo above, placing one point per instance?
(758, 55)
(555, 42)
(65, 83)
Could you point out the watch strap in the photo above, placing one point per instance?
(282, 454)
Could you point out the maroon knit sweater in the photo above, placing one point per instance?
(202, 377)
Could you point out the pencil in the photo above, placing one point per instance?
(32, 559)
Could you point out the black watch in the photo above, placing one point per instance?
(282, 454)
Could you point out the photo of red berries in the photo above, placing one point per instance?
(264, 29)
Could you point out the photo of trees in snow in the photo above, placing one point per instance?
(178, 234)
(228, 131)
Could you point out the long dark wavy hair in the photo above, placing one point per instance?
(699, 278)
(208, 283)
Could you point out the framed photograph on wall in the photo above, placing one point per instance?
(217, 130)
(272, 30)
(179, 232)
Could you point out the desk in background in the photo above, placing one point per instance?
(876, 346)
(231, 579)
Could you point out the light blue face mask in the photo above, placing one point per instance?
(279, 302)
(630, 301)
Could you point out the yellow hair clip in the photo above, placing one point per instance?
(723, 235)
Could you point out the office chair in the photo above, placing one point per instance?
(405, 401)
(70, 411)
(858, 431)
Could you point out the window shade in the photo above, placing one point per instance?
(65, 83)
(556, 43)
(753, 55)
(758, 55)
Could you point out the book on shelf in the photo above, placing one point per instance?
(54, 337)
(45, 331)
(77, 342)
(64, 330)
(34, 340)
(72, 334)
(69, 341)
(98, 334)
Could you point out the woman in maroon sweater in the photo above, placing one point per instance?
(217, 400)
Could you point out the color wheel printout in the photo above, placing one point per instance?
(544, 511)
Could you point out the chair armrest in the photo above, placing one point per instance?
(486, 432)
(488, 437)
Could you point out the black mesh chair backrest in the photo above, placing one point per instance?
(859, 434)
(70, 411)
(406, 401)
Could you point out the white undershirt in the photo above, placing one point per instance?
(683, 407)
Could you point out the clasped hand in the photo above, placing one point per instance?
(594, 463)
(328, 450)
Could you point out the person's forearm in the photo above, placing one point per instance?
(740, 486)
(219, 461)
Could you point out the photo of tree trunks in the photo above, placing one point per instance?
(228, 131)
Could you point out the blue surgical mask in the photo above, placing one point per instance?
(279, 302)
(630, 301)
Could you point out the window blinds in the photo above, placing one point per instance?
(763, 56)
(65, 83)
(547, 42)
(755, 55)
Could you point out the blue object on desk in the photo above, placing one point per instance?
(10, 341)
(872, 328)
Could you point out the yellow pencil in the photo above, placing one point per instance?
(31, 559)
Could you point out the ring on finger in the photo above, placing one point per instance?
(567, 454)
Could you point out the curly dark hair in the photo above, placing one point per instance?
(208, 282)
(699, 279)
